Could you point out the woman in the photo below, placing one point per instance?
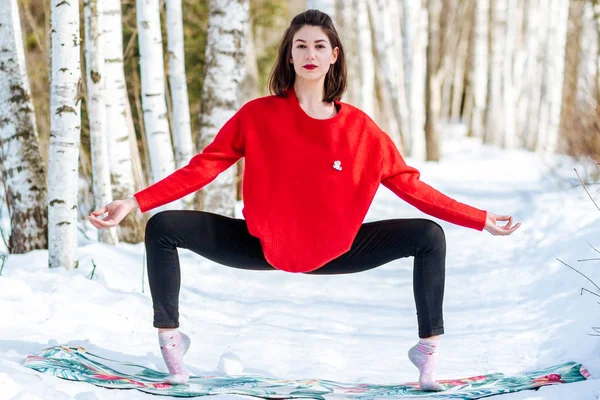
(312, 167)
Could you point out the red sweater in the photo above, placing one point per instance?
(308, 183)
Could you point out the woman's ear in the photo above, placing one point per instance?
(334, 55)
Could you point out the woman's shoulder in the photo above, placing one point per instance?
(264, 103)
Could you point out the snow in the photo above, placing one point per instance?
(510, 305)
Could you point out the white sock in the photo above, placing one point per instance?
(173, 346)
(424, 356)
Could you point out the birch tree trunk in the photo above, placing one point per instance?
(118, 121)
(65, 130)
(96, 80)
(365, 55)
(596, 7)
(182, 129)
(21, 163)
(415, 26)
(225, 60)
(432, 88)
(497, 42)
(553, 77)
(348, 33)
(153, 92)
(589, 50)
(572, 66)
(389, 67)
(509, 138)
(479, 71)
(460, 64)
(538, 12)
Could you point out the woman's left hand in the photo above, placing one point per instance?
(491, 227)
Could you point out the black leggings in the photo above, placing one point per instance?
(227, 241)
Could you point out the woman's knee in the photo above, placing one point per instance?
(433, 234)
(158, 223)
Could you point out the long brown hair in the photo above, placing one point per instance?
(283, 76)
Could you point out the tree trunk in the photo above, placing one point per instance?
(23, 170)
(494, 121)
(96, 82)
(182, 129)
(65, 130)
(415, 22)
(154, 104)
(509, 138)
(347, 30)
(432, 88)
(572, 65)
(388, 65)
(553, 77)
(118, 121)
(365, 55)
(225, 59)
(479, 72)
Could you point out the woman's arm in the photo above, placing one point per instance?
(227, 147)
(405, 182)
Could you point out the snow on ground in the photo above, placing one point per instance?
(510, 306)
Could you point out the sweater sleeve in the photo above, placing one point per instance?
(404, 181)
(227, 147)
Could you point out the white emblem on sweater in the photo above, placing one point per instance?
(337, 165)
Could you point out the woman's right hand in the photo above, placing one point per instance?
(117, 210)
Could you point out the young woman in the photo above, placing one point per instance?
(312, 167)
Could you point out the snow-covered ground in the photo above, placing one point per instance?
(510, 306)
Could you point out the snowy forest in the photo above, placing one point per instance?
(101, 100)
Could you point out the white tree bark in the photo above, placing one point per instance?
(182, 129)
(538, 17)
(118, 120)
(153, 92)
(415, 55)
(225, 53)
(589, 52)
(347, 30)
(495, 105)
(390, 68)
(365, 55)
(96, 82)
(21, 163)
(65, 130)
(509, 138)
(553, 77)
(479, 72)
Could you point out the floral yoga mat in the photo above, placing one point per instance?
(75, 363)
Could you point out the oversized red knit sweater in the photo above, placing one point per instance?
(308, 183)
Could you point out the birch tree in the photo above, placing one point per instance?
(119, 123)
(96, 79)
(65, 125)
(365, 55)
(225, 59)
(479, 70)
(572, 65)
(390, 65)
(347, 29)
(182, 129)
(23, 170)
(497, 42)
(154, 104)
(552, 78)
(414, 31)
(432, 90)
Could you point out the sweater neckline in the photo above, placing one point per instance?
(296, 104)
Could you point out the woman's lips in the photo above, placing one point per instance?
(310, 66)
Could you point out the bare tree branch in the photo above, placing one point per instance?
(580, 273)
(584, 187)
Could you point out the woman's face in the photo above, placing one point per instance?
(312, 54)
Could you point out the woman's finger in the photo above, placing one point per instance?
(99, 211)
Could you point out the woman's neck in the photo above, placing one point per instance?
(310, 93)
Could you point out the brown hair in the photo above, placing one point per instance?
(283, 76)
